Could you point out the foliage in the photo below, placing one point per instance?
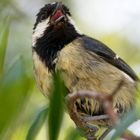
(37, 124)
(56, 107)
(3, 46)
(14, 88)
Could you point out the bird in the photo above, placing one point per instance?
(85, 63)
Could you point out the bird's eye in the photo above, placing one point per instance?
(42, 17)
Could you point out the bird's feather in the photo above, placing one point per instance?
(83, 69)
(108, 55)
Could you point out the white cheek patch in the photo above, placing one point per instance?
(73, 23)
(39, 30)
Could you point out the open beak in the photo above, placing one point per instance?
(58, 15)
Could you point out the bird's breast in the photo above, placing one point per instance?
(42, 75)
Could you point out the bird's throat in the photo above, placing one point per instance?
(48, 46)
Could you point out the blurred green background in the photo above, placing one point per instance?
(20, 100)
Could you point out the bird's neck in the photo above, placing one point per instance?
(53, 41)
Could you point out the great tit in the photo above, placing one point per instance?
(85, 63)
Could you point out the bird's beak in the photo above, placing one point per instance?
(58, 15)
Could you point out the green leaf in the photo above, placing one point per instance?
(127, 120)
(73, 134)
(37, 124)
(3, 46)
(56, 107)
(14, 89)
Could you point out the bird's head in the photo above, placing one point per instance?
(54, 22)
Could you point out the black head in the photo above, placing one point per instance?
(52, 30)
(55, 13)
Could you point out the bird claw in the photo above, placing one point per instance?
(90, 131)
(92, 128)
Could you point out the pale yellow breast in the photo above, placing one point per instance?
(42, 75)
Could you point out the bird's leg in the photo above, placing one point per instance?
(88, 129)
(83, 122)
(95, 118)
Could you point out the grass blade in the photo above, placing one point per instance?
(73, 134)
(3, 47)
(14, 90)
(56, 108)
(37, 124)
(127, 120)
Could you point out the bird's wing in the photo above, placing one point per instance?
(108, 55)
